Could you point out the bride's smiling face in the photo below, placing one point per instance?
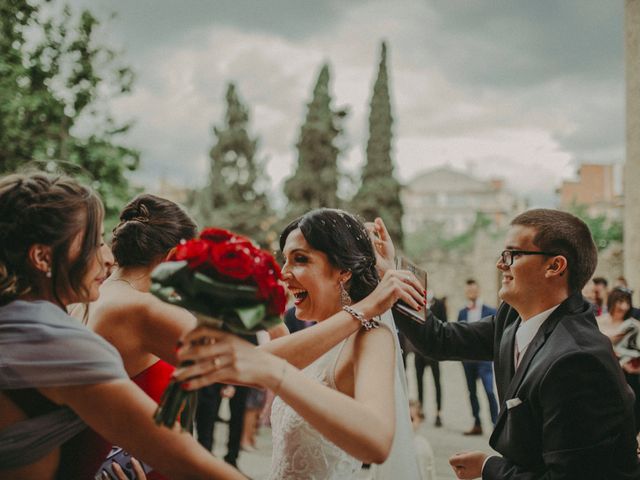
(311, 279)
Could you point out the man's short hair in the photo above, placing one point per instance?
(471, 281)
(567, 235)
(600, 281)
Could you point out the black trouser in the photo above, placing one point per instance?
(207, 414)
(421, 363)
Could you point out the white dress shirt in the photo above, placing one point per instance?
(474, 311)
(526, 331)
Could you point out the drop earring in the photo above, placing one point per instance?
(345, 298)
(48, 274)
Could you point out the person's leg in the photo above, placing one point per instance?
(420, 362)
(435, 371)
(237, 405)
(485, 371)
(207, 413)
(471, 374)
(248, 438)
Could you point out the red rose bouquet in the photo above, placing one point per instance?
(227, 283)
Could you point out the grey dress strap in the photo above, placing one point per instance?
(41, 346)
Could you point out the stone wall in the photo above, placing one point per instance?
(448, 270)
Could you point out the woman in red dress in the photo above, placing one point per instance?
(141, 327)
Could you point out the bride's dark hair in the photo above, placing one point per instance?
(345, 241)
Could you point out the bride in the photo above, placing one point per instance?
(341, 397)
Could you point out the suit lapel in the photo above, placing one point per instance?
(506, 354)
(505, 372)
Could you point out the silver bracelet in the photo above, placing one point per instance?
(367, 324)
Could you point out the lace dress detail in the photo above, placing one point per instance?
(299, 450)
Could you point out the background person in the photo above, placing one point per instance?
(473, 311)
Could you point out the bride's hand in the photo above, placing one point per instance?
(395, 285)
(220, 357)
(382, 246)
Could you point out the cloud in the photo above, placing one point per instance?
(527, 90)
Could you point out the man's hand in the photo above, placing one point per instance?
(468, 465)
(382, 246)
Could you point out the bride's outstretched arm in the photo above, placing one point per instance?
(305, 346)
(362, 426)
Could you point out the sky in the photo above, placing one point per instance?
(517, 89)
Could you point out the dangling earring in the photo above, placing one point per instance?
(345, 298)
(48, 274)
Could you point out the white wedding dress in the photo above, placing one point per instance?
(301, 452)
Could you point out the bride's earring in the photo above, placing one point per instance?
(345, 298)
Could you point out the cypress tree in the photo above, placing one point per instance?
(235, 197)
(315, 181)
(379, 194)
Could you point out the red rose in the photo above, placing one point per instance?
(195, 252)
(266, 273)
(233, 259)
(216, 235)
(277, 300)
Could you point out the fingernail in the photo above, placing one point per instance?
(419, 308)
(184, 385)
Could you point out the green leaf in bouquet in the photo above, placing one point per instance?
(251, 317)
(271, 321)
(223, 293)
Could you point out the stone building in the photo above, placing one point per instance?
(452, 199)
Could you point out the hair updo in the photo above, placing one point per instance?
(149, 227)
(38, 208)
(345, 241)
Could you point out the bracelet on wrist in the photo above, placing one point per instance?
(368, 324)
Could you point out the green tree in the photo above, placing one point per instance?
(604, 230)
(315, 181)
(379, 194)
(54, 78)
(235, 197)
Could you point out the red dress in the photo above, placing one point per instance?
(152, 380)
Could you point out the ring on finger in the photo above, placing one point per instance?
(217, 362)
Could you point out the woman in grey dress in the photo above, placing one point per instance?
(56, 376)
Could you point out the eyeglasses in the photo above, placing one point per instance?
(507, 256)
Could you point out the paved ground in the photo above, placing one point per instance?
(456, 418)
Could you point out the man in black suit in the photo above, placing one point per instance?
(566, 411)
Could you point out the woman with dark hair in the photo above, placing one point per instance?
(348, 404)
(619, 307)
(56, 376)
(143, 329)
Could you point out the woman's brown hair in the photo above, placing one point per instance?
(149, 228)
(49, 210)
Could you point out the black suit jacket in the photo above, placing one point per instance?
(566, 413)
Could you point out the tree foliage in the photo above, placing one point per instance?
(604, 230)
(235, 196)
(315, 181)
(54, 80)
(379, 194)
